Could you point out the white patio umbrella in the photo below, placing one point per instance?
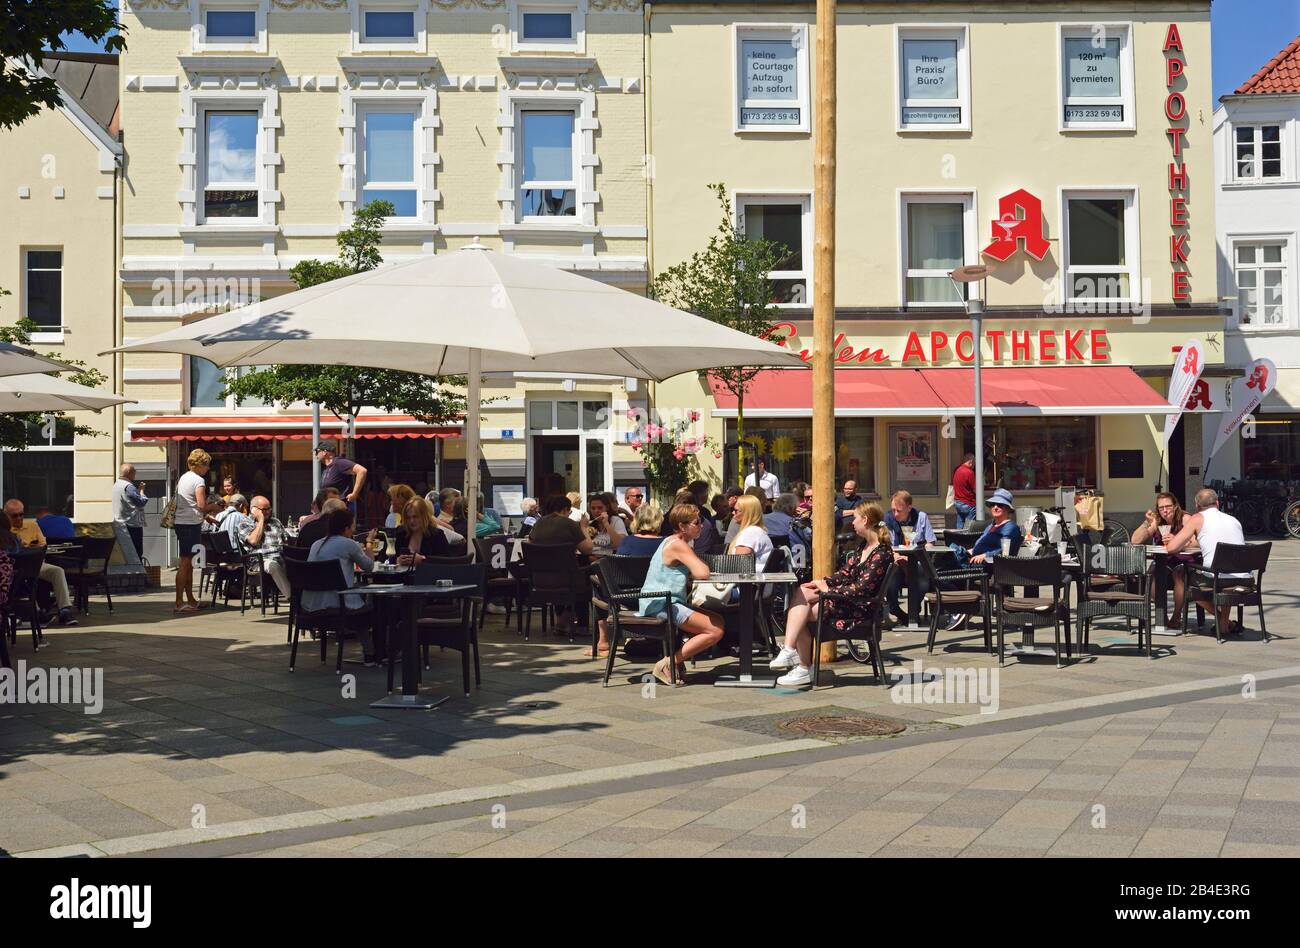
(15, 360)
(24, 393)
(465, 313)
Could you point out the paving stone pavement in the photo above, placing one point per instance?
(205, 734)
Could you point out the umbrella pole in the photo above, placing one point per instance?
(471, 443)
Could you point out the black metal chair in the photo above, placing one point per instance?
(453, 628)
(945, 573)
(870, 632)
(1217, 587)
(624, 579)
(298, 554)
(227, 565)
(554, 578)
(1032, 610)
(24, 605)
(87, 568)
(494, 553)
(1129, 597)
(321, 576)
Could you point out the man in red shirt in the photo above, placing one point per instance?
(963, 490)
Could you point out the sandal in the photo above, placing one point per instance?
(600, 652)
(661, 671)
(185, 610)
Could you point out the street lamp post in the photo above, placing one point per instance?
(976, 273)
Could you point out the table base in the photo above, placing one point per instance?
(744, 681)
(1031, 649)
(409, 702)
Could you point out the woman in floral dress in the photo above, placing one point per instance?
(861, 577)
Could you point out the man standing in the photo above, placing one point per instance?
(348, 477)
(128, 506)
(963, 490)
(847, 502)
(265, 534)
(1211, 526)
(764, 480)
(30, 537)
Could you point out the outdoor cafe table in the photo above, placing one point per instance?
(1073, 573)
(412, 597)
(1158, 557)
(749, 585)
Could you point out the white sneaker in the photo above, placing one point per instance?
(801, 677)
(496, 608)
(787, 659)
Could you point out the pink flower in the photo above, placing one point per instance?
(691, 445)
(717, 454)
(636, 445)
(653, 431)
(695, 416)
(679, 454)
(631, 414)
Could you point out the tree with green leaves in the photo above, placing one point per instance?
(16, 426)
(31, 28)
(727, 283)
(343, 389)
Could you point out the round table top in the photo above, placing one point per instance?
(423, 590)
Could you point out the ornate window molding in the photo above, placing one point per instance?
(575, 42)
(418, 43)
(200, 43)
(583, 104)
(195, 103)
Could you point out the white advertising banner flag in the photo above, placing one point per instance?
(1187, 371)
(1246, 395)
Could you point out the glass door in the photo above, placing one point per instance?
(555, 425)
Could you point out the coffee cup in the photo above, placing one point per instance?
(1006, 546)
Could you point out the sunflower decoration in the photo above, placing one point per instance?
(757, 444)
(782, 448)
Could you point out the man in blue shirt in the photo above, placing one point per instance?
(1001, 527)
(903, 514)
(55, 526)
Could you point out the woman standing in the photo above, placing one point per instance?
(191, 507)
(418, 538)
(671, 569)
(861, 578)
(1159, 525)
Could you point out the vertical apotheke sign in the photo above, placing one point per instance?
(1176, 111)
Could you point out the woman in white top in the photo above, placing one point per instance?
(606, 530)
(751, 536)
(339, 545)
(191, 508)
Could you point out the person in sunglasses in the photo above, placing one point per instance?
(1002, 526)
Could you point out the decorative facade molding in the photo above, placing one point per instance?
(583, 103)
(174, 5)
(421, 95)
(310, 4)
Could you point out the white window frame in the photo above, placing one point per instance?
(1126, 99)
(417, 44)
(229, 407)
(193, 157)
(425, 103)
(797, 33)
(578, 9)
(199, 34)
(574, 183)
(47, 335)
(404, 107)
(970, 238)
(202, 153)
(1132, 245)
(949, 31)
(745, 198)
(1287, 242)
(604, 435)
(510, 158)
(1257, 146)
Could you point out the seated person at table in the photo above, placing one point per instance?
(235, 518)
(1170, 515)
(751, 536)
(645, 538)
(55, 526)
(320, 527)
(606, 529)
(1209, 527)
(860, 578)
(847, 502)
(28, 536)
(262, 532)
(484, 523)
(418, 538)
(318, 506)
(531, 510)
(672, 568)
(339, 545)
(1001, 527)
(902, 514)
(556, 526)
(399, 495)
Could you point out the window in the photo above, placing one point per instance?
(548, 187)
(387, 158)
(1258, 151)
(1037, 454)
(229, 26)
(388, 26)
(784, 220)
(230, 188)
(934, 243)
(1272, 455)
(207, 382)
(1261, 284)
(772, 79)
(787, 446)
(1101, 246)
(546, 27)
(934, 80)
(44, 289)
(42, 475)
(1096, 77)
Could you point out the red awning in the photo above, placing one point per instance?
(279, 428)
(1013, 390)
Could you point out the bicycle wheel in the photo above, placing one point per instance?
(1291, 519)
(1113, 533)
(1275, 520)
(1251, 516)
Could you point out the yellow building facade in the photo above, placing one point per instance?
(1031, 137)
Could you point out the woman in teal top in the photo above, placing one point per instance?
(672, 567)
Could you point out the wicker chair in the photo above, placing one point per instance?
(501, 585)
(1213, 586)
(941, 568)
(623, 578)
(869, 632)
(1032, 610)
(1128, 566)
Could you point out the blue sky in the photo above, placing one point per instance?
(1247, 34)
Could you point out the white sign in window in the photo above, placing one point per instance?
(230, 167)
(549, 184)
(388, 159)
(772, 89)
(1261, 284)
(1096, 77)
(933, 79)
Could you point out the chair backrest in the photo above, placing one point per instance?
(1034, 571)
(96, 552)
(779, 540)
(449, 560)
(932, 561)
(778, 561)
(428, 573)
(491, 550)
(623, 574)
(1121, 560)
(551, 567)
(27, 565)
(298, 554)
(1241, 558)
(318, 575)
(729, 562)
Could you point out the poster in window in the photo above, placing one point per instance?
(770, 70)
(1092, 71)
(913, 458)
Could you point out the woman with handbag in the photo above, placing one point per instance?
(860, 578)
(672, 568)
(187, 508)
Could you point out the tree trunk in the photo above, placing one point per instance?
(740, 436)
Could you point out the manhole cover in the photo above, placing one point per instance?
(839, 725)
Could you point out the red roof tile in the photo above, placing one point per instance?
(1280, 74)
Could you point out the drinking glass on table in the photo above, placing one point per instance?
(1006, 546)
(1165, 530)
(908, 534)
